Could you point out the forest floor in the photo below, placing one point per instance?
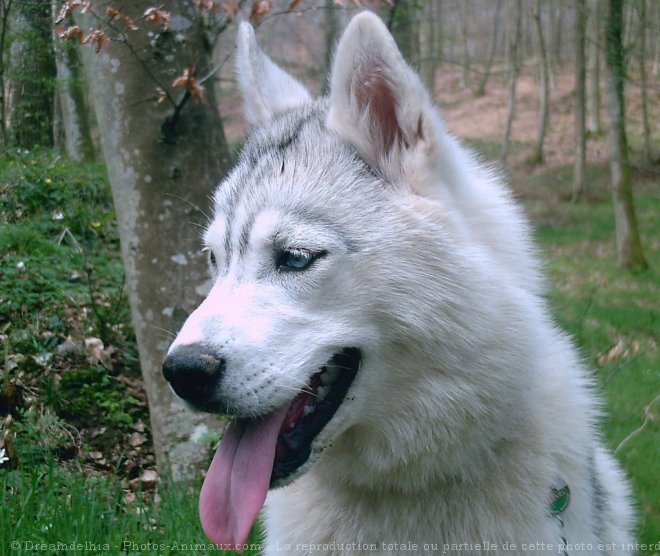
(73, 412)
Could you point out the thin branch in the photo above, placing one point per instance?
(648, 416)
(124, 39)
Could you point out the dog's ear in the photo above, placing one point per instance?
(376, 100)
(266, 89)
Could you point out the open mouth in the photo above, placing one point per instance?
(259, 453)
(310, 411)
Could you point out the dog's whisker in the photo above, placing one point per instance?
(165, 331)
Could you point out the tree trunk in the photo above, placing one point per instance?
(593, 67)
(163, 160)
(32, 74)
(656, 33)
(72, 108)
(402, 25)
(579, 179)
(462, 6)
(629, 247)
(558, 27)
(544, 88)
(331, 30)
(513, 39)
(643, 81)
(429, 29)
(5, 11)
(481, 88)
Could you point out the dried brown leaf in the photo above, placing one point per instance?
(128, 23)
(73, 31)
(158, 16)
(195, 89)
(66, 9)
(260, 9)
(136, 439)
(231, 8)
(292, 5)
(188, 80)
(111, 12)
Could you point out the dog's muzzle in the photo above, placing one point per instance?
(194, 371)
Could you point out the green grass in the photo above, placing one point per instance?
(60, 246)
(612, 314)
(47, 505)
(62, 276)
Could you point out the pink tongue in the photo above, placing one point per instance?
(237, 482)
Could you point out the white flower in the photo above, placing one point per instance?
(20, 265)
(58, 215)
(3, 456)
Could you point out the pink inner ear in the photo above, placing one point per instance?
(373, 92)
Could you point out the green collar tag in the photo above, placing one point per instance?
(559, 499)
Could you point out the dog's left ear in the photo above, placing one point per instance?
(266, 89)
(377, 101)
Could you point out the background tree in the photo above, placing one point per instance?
(628, 244)
(402, 24)
(513, 30)
(164, 147)
(331, 37)
(430, 40)
(594, 19)
(480, 90)
(32, 75)
(5, 11)
(643, 82)
(463, 8)
(544, 86)
(70, 97)
(580, 100)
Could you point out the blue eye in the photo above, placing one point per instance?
(297, 260)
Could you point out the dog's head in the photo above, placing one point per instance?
(327, 246)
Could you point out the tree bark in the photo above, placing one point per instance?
(32, 74)
(331, 31)
(538, 156)
(513, 37)
(402, 25)
(558, 27)
(429, 31)
(629, 247)
(72, 108)
(5, 11)
(481, 88)
(579, 180)
(462, 7)
(163, 160)
(643, 81)
(593, 67)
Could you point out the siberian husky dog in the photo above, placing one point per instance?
(377, 333)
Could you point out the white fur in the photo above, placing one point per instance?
(254, 68)
(470, 403)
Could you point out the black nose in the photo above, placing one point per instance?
(195, 371)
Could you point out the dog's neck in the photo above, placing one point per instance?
(436, 509)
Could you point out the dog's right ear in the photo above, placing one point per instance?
(266, 89)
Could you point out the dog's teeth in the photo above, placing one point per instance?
(329, 375)
(308, 409)
(323, 391)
